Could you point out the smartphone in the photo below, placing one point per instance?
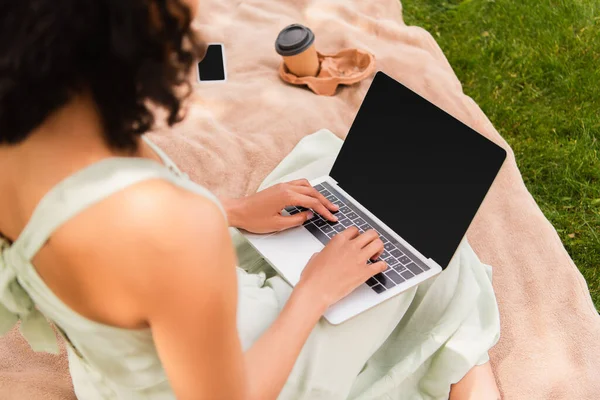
(212, 67)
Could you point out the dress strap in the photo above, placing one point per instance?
(16, 305)
(169, 163)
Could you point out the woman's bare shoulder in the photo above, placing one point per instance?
(153, 212)
(131, 244)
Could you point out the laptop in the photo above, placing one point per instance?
(407, 169)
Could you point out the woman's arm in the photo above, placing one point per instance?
(189, 293)
(271, 359)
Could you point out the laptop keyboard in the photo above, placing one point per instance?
(402, 265)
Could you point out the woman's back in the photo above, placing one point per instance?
(105, 361)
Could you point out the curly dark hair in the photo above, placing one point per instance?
(129, 55)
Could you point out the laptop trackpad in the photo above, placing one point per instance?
(289, 251)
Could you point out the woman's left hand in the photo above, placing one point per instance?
(261, 212)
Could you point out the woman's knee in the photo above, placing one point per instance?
(478, 384)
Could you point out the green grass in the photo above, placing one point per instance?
(534, 68)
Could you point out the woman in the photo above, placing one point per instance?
(132, 262)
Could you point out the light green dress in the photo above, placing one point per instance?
(413, 346)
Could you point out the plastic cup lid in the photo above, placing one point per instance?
(294, 39)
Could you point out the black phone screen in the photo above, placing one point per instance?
(212, 66)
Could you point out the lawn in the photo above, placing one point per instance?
(534, 68)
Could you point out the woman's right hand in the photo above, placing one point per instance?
(341, 266)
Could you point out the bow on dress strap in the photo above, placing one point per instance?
(16, 305)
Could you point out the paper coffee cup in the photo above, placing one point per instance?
(295, 44)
